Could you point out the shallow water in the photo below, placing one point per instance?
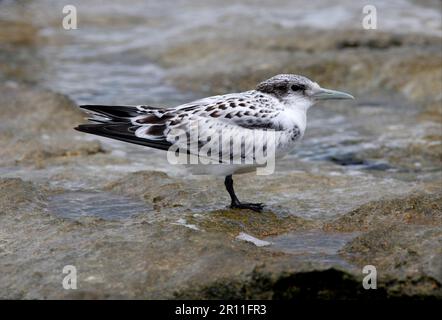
(313, 246)
(80, 204)
(111, 57)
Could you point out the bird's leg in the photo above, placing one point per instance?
(228, 182)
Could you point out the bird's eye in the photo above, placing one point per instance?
(297, 87)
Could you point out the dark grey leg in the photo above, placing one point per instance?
(236, 204)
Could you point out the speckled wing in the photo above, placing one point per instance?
(213, 122)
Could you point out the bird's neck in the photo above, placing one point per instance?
(296, 111)
(297, 103)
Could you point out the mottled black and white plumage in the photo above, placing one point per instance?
(278, 104)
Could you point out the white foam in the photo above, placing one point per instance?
(257, 242)
(183, 222)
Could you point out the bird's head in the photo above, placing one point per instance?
(297, 90)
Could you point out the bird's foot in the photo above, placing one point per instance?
(244, 205)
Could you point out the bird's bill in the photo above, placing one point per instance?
(328, 94)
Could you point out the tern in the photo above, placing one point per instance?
(277, 105)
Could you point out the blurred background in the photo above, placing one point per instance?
(364, 186)
(150, 52)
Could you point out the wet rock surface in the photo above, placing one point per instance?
(37, 126)
(407, 257)
(363, 188)
(423, 209)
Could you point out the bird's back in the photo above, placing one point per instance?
(239, 115)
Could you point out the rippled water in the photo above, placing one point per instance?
(79, 204)
(110, 58)
(312, 245)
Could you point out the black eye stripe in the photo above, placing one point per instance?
(297, 87)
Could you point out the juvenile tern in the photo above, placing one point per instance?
(277, 105)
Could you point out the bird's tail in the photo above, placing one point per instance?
(115, 122)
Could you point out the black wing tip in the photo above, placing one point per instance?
(122, 132)
(106, 108)
(88, 128)
(103, 106)
(113, 113)
(105, 129)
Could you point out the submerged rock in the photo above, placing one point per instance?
(267, 223)
(419, 209)
(16, 194)
(19, 57)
